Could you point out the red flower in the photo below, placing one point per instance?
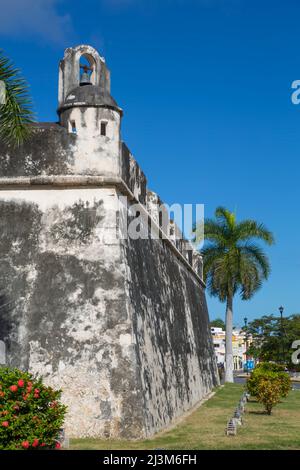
(13, 388)
(25, 444)
(2, 394)
(36, 395)
(35, 443)
(58, 445)
(5, 412)
(5, 424)
(29, 388)
(25, 396)
(21, 383)
(36, 390)
(16, 407)
(42, 444)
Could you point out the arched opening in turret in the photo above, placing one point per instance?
(87, 70)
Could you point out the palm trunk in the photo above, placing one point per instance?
(228, 342)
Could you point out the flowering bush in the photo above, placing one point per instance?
(269, 392)
(31, 414)
(268, 383)
(273, 372)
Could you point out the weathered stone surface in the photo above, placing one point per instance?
(175, 358)
(120, 325)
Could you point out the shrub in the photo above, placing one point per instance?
(285, 384)
(269, 371)
(31, 414)
(268, 383)
(269, 392)
(270, 366)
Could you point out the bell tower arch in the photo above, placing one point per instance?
(70, 70)
(87, 110)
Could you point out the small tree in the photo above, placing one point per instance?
(269, 392)
(233, 263)
(31, 414)
(16, 111)
(268, 383)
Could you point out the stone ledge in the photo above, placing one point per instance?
(93, 181)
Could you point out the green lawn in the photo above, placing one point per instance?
(205, 428)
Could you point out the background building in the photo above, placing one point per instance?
(239, 346)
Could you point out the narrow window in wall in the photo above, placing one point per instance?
(190, 257)
(72, 127)
(160, 222)
(103, 128)
(160, 217)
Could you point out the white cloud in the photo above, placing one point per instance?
(36, 18)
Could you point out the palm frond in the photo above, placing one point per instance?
(258, 257)
(250, 277)
(224, 215)
(211, 231)
(232, 262)
(16, 113)
(250, 229)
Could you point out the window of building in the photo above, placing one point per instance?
(103, 128)
(72, 127)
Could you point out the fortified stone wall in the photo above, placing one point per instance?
(120, 325)
(66, 316)
(175, 359)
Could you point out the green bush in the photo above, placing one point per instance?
(285, 384)
(256, 376)
(268, 383)
(270, 366)
(31, 414)
(269, 392)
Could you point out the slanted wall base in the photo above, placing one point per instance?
(176, 366)
(121, 326)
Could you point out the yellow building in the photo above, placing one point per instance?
(239, 346)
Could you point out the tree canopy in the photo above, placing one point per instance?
(218, 323)
(272, 340)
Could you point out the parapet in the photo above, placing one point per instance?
(170, 230)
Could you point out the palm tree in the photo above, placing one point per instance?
(233, 263)
(16, 112)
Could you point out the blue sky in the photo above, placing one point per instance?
(206, 90)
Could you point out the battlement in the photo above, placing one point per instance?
(50, 159)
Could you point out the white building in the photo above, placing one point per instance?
(238, 346)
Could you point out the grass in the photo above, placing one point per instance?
(205, 428)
